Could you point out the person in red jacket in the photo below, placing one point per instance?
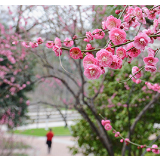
(49, 136)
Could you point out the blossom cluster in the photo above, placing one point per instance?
(14, 65)
(8, 117)
(117, 35)
(112, 55)
(154, 87)
(118, 48)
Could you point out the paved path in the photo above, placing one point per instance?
(60, 145)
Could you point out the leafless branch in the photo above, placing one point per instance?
(53, 105)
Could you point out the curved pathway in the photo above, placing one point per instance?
(60, 145)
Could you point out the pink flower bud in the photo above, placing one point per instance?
(117, 134)
(117, 11)
(148, 149)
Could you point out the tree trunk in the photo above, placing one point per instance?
(98, 130)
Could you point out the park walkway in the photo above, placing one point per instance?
(60, 145)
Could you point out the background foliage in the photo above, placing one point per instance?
(117, 113)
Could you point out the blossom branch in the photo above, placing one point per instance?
(124, 139)
(123, 12)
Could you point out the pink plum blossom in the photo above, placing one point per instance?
(108, 127)
(92, 71)
(134, 52)
(117, 11)
(74, 37)
(57, 42)
(104, 57)
(150, 68)
(102, 70)
(141, 41)
(125, 26)
(156, 151)
(104, 122)
(40, 40)
(151, 51)
(98, 34)
(155, 87)
(155, 26)
(139, 15)
(117, 36)
(89, 47)
(86, 40)
(49, 44)
(68, 43)
(137, 81)
(117, 134)
(33, 44)
(89, 59)
(130, 21)
(135, 70)
(148, 149)
(130, 10)
(89, 35)
(57, 50)
(127, 141)
(111, 23)
(149, 32)
(15, 42)
(121, 52)
(152, 14)
(145, 10)
(75, 53)
(150, 60)
(110, 50)
(116, 63)
(138, 12)
(25, 44)
(149, 85)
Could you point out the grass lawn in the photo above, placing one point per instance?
(58, 131)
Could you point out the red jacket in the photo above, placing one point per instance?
(49, 136)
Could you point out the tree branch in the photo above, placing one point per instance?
(55, 106)
(140, 115)
(144, 110)
(104, 76)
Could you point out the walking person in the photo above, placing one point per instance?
(49, 136)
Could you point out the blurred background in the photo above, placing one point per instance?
(37, 94)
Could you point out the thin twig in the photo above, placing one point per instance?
(123, 12)
(132, 75)
(129, 140)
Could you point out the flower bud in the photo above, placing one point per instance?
(117, 11)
